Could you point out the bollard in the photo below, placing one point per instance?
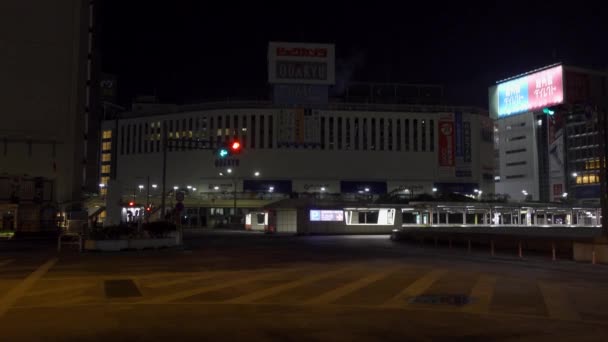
(593, 257)
(492, 247)
(553, 251)
(519, 250)
(469, 246)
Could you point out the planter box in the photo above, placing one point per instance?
(152, 243)
(174, 239)
(106, 245)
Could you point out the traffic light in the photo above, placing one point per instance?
(131, 204)
(222, 152)
(232, 148)
(235, 147)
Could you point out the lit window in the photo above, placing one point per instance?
(103, 191)
(104, 180)
(107, 134)
(106, 157)
(106, 146)
(105, 169)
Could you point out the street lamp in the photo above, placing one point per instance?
(154, 186)
(175, 187)
(221, 174)
(140, 187)
(229, 170)
(366, 189)
(193, 189)
(434, 189)
(189, 187)
(271, 189)
(574, 174)
(101, 185)
(322, 188)
(257, 173)
(216, 187)
(565, 194)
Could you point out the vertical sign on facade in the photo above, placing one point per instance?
(458, 133)
(466, 132)
(446, 143)
(557, 175)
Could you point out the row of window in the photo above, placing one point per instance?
(380, 134)
(519, 150)
(588, 179)
(517, 163)
(257, 131)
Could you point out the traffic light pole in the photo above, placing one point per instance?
(192, 144)
(164, 176)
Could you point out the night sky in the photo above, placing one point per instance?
(187, 52)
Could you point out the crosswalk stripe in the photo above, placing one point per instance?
(557, 303)
(17, 292)
(414, 289)
(205, 289)
(6, 262)
(481, 293)
(342, 291)
(251, 297)
(59, 290)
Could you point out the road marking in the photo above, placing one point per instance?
(184, 280)
(342, 291)
(18, 291)
(481, 294)
(6, 262)
(251, 297)
(67, 288)
(557, 303)
(414, 289)
(204, 289)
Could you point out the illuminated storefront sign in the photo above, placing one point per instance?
(327, 215)
(531, 92)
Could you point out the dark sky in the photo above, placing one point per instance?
(191, 51)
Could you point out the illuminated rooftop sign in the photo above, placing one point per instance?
(531, 92)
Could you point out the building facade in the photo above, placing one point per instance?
(44, 89)
(547, 134)
(345, 150)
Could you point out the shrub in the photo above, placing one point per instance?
(159, 229)
(112, 232)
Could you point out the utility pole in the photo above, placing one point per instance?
(147, 192)
(164, 175)
(234, 196)
(602, 122)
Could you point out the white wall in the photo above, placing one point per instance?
(510, 128)
(304, 167)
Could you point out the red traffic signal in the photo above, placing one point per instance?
(235, 147)
(131, 204)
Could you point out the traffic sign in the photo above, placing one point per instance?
(179, 196)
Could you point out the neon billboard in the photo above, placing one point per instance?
(531, 92)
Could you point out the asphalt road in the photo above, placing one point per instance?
(247, 286)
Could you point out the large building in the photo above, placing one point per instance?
(547, 134)
(347, 149)
(46, 72)
(376, 139)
